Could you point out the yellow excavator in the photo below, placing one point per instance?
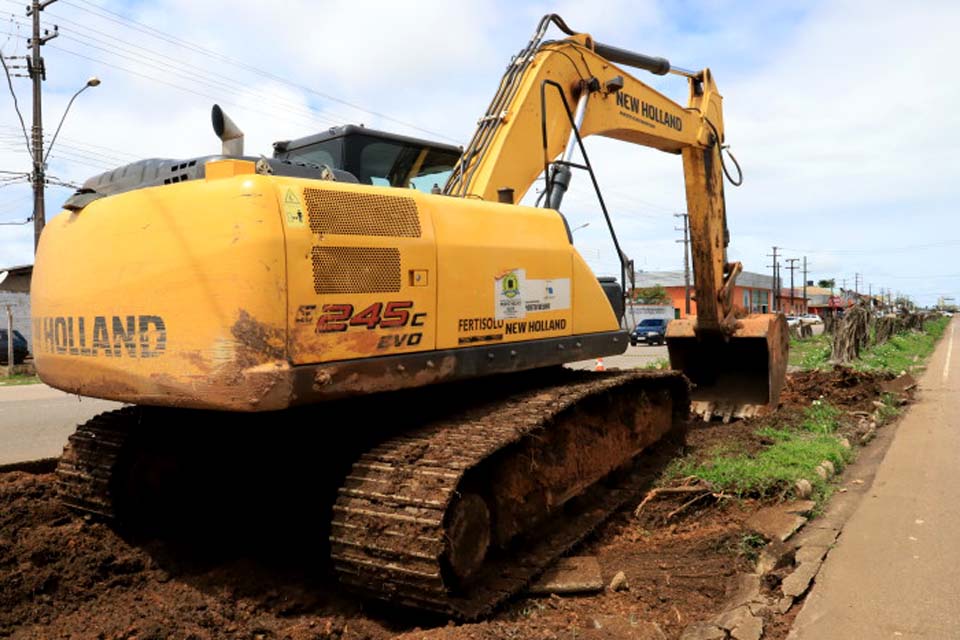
(357, 263)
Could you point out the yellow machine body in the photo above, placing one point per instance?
(254, 292)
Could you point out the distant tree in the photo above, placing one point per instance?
(903, 302)
(651, 295)
(827, 284)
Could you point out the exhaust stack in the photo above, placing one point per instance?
(228, 132)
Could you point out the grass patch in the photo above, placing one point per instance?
(889, 410)
(659, 363)
(810, 353)
(902, 351)
(750, 545)
(796, 451)
(9, 381)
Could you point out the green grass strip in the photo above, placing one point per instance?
(795, 453)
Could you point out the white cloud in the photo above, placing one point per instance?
(842, 117)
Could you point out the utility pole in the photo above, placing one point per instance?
(686, 257)
(773, 301)
(805, 309)
(792, 267)
(38, 74)
(856, 283)
(779, 281)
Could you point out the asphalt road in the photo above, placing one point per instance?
(895, 571)
(35, 420)
(638, 356)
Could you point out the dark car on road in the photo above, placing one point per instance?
(650, 331)
(20, 349)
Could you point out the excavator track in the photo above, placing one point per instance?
(462, 513)
(88, 466)
(453, 516)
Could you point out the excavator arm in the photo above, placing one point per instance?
(553, 94)
(528, 125)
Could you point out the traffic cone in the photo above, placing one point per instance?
(599, 366)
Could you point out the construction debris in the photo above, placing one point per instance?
(578, 574)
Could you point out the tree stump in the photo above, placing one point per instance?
(887, 326)
(830, 322)
(851, 336)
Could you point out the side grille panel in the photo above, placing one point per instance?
(356, 269)
(361, 214)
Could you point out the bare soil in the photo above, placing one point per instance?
(264, 575)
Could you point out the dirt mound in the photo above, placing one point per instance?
(263, 574)
(62, 575)
(841, 386)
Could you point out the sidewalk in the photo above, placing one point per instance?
(895, 571)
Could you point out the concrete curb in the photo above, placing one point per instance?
(43, 465)
(810, 543)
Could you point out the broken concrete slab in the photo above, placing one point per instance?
(899, 385)
(628, 629)
(775, 555)
(818, 536)
(811, 553)
(577, 574)
(776, 522)
(784, 604)
(800, 507)
(703, 631)
(746, 589)
(741, 623)
(796, 583)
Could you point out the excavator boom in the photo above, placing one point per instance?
(737, 364)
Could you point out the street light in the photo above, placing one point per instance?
(40, 158)
(92, 82)
(585, 224)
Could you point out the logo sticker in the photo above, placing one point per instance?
(508, 294)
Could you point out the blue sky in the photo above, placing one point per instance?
(840, 113)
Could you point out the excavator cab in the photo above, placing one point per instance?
(374, 157)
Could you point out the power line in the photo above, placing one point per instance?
(93, 148)
(167, 83)
(204, 79)
(159, 56)
(774, 306)
(16, 104)
(686, 258)
(161, 35)
(876, 249)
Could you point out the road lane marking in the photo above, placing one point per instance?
(946, 365)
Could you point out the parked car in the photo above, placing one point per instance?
(20, 349)
(811, 318)
(793, 321)
(650, 331)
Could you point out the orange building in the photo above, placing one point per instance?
(753, 292)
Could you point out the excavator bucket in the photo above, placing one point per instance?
(733, 376)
